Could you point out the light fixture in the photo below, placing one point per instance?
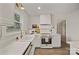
(38, 8)
(22, 7)
(19, 5)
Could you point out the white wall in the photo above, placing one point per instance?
(57, 18)
(73, 31)
(34, 20)
(45, 19)
(72, 25)
(7, 14)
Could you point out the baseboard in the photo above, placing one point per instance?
(48, 48)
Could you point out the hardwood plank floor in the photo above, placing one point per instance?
(64, 50)
(51, 51)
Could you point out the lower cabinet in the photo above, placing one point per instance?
(37, 41)
(56, 41)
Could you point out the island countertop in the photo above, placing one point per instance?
(17, 47)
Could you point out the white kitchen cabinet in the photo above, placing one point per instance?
(35, 43)
(45, 19)
(37, 40)
(56, 40)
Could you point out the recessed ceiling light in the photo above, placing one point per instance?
(38, 8)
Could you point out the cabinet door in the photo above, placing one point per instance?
(37, 41)
(56, 41)
(45, 19)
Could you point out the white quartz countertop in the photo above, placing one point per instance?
(17, 47)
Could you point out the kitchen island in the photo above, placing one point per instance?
(18, 47)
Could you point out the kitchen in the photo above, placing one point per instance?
(29, 29)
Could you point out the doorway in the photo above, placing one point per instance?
(61, 29)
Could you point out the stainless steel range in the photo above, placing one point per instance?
(46, 39)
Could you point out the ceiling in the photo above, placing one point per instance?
(50, 8)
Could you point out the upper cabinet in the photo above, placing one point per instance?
(7, 14)
(45, 19)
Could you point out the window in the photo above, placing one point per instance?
(16, 26)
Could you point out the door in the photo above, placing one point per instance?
(61, 29)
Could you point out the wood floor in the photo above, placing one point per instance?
(49, 51)
(52, 51)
